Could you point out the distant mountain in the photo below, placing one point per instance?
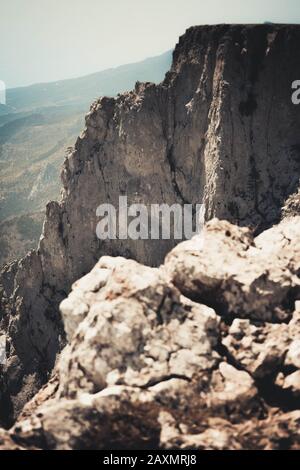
(37, 124)
(82, 91)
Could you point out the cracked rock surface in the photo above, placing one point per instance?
(152, 362)
(255, 279)
(211, 132)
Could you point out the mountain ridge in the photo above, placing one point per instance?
(62, 89)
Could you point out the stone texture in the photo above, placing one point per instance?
(292, 205)
(154, 334)
(261, 350)
(239, 275)
(146, 367)
(211, 132)
(273, 433)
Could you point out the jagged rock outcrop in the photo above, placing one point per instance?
(220, 129)
(292, 205)
(256, 281)
(147, 367)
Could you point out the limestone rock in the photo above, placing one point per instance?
(146, 367)
(273, 433)
(259, 350)
(211, 132)
(7, 443)
(292, 383)
(293, 355)
(241, 276)
(154, 333)
(292, 205)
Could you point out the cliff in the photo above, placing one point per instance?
(220, 129)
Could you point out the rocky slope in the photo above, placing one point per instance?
(150, 364)
(221, 128)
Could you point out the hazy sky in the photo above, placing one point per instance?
(46, 40)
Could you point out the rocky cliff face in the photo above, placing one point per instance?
(220, 129)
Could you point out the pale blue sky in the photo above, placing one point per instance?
(46, 40)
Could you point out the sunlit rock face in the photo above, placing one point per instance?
(220, 129)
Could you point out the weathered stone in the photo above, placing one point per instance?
(278, 432)
(263, 350)
(211, 132)
(240, 276)
(293, 354)
(292, 382)
(154, 333)
(147, 367)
